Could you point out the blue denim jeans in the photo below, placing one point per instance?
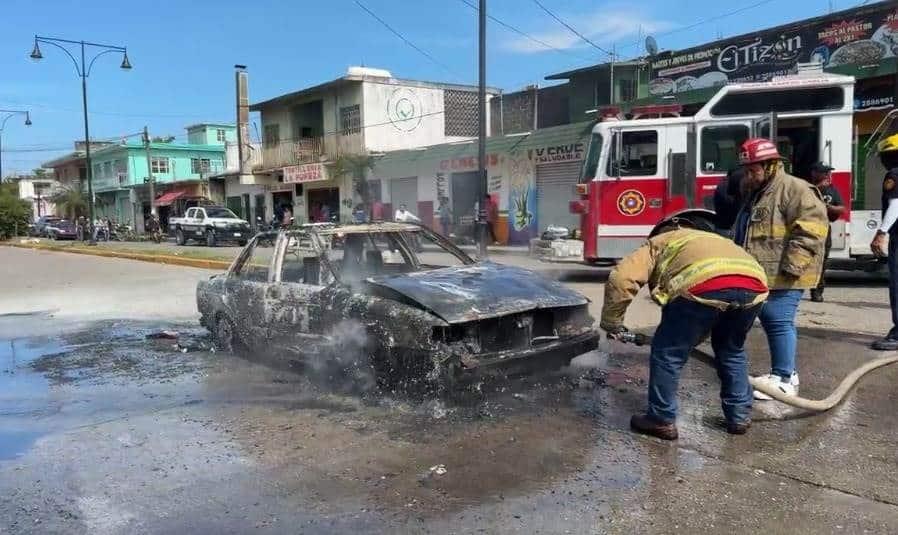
(778, 318)
(683, 325)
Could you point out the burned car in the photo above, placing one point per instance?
(403, 300)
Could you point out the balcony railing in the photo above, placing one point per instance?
(286, 153)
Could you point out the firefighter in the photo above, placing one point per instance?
(888, 154)
(783, 224)
(706, 284)
(821, 176)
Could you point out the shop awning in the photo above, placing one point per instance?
(168, 198)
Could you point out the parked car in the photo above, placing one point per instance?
(40, 226)
(62, 229)
(210, 224)
(343, 295)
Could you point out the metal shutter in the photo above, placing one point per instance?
(554, 192)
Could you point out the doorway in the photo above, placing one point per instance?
(798, 141)
(324, 205)
(281, 200)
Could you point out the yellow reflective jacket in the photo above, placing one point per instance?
(671, 264)
(787, 232)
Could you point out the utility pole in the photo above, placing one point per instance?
(481, 120)
(611, 97)
(152, 181)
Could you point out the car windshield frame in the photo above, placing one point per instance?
(320, 238)
(216, 211)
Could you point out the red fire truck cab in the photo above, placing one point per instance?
(639, 171)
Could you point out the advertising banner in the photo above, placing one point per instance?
(861, 37)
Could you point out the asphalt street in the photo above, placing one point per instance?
(104, 431)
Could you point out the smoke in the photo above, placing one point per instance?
(346, 365)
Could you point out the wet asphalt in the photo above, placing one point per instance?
(103, 430)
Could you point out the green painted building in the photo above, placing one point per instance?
(181, 171)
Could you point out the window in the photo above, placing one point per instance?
(272, 135)
(350, 120)
(638, 154)
(224, 213)
(627, 90)
(220, 135)
(592, 158)
(159, 164)
(107, 169)
(301, 264)
(191, 212)
(97, 168)
(460, 113)
(200, 166)
(781, 101)
(720, 147)
(252, 265)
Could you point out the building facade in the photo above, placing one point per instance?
(38, 191)
(366, 112)
(531, 178)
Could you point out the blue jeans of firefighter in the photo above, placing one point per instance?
(778, 319)
(684, 324)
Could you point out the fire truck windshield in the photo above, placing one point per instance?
(592, 158)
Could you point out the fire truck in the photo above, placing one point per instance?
(658, 163)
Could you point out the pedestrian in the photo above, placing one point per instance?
(492, 214)
(359, 215)
(888, 154)
(404, 216)
(286, 216)
(325, 213)
(445, 214)
(728, 199)
(705, 284)
(821, 177)
(783, 225)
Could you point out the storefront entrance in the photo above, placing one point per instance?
(281, 200)
(324, 205)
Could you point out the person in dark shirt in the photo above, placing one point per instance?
(821, 176)
(728, 199)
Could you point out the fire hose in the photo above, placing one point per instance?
(820, 405)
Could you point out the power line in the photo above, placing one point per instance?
(524, 34)
(568, 26)
(705, 21)
(406, 41)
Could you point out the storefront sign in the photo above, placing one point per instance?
(310, 172)
(557, 153)
(276, 188)
(467, 163)
(863, 36)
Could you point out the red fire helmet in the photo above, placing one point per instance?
(758, 149)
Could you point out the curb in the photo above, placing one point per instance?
(218, 265)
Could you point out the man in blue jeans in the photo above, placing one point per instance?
(706, 284)
(783, 225)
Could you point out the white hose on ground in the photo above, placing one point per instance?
(820, 405)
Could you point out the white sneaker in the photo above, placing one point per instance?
(790, 387)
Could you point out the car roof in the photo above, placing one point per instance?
(362, 228)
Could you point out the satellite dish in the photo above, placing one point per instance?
(651, 46)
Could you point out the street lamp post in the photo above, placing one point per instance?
(83, 71)
(9, 114)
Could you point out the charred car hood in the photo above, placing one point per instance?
(479, 291)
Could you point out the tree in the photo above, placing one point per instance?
(70, 202)
(160, 139)
(15, 213)
(356, 166)
(40, 172)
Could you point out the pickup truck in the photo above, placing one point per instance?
(211, 224)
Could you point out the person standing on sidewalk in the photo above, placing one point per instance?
(821, 176)
(783, 225)
(705, 284)
(888, 154)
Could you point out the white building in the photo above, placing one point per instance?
(367, 111)
(37, 191)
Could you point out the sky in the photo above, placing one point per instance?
(183, 52)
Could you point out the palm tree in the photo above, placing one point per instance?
(70, 202)
(356, 166)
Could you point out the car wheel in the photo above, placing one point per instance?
(224, 335)
(180, 239)
(241, 243)
(210, 238)
(54, 236)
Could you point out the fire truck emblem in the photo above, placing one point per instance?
(631, 202)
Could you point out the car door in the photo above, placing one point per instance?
(247, 294)
(294, 298)
(198, 222)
